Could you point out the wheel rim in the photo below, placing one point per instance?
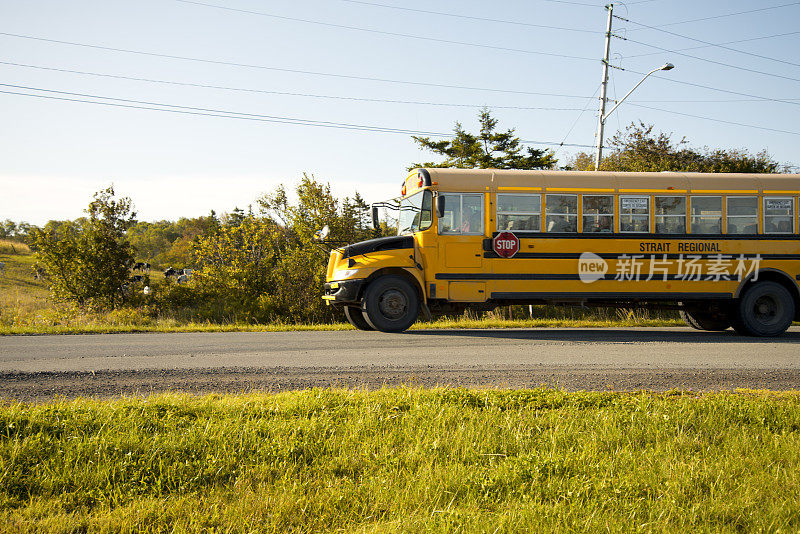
(393, 304)
(766, 309)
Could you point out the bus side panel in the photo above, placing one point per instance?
(642, 265)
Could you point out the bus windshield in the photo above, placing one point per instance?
(415, 213)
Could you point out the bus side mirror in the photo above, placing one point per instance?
(375, 223)
(440, 206)
(320, 235)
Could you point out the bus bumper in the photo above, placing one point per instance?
(344, 292)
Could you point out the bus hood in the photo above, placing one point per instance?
(381, 243)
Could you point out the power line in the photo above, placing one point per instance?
(283, 93)
(715, 101)
(727, 15)
(706, 42)
(716, 120)
(715, 62)
(365, 99)
(293, 71)
(191, 110)
(732, 42)
(712, 88)
(582, 4)
(588, 101)
(221, 115)
(381, 32)
(468, 17)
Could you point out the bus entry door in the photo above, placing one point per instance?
(461, 234)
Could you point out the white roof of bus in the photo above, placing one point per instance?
(497, 179)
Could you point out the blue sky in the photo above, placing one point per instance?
(54, 154)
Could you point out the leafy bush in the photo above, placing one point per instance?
(88, 261)
(267, 267)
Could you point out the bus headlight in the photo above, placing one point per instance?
(344, 273)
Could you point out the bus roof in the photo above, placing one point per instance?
(620, 182)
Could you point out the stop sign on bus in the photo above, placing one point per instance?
(505, 244)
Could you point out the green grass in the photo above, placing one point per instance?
(52, 323)
(20, 294)
(106, 325)
(404, 460)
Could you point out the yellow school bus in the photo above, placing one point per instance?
(724, 249)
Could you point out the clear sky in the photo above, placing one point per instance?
(537, 66)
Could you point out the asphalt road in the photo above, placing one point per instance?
(42, 367)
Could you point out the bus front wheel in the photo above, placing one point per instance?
(765, 309)
(356, 318)
(390, 304)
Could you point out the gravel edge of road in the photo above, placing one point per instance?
(41, 387)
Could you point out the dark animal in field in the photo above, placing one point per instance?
(141, 266)
(178, 273)
(137, 278)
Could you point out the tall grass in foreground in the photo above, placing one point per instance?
(123, 321)
(405, 460)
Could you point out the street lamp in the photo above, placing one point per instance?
(604, 116)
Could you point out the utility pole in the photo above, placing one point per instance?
(601, 118)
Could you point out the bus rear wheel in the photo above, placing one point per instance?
(356, 318)
(700, 320)
(390, 304)
(765, 309)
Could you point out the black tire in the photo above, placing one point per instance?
(689, 320)
(765, 309)
(391, 304)
(700, 320)
(356, 318)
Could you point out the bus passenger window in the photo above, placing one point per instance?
(670, 215)
(463, 214)
(519, 212)
(707, 215)
(471, 214)
(598, 213)
(742, 215)
(778, 215)
(634, 214)
(561, 213)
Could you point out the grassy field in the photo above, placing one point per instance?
(25, 309)
(20, 295)
(404, 460)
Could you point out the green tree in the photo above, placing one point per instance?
(640, 149)
(299, 273)
(8, 229)
(268, 267)
(489, 149)
(88, 261)
(169, 243)
(234, 273)
(234, 218)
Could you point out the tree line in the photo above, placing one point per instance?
(257, 266)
